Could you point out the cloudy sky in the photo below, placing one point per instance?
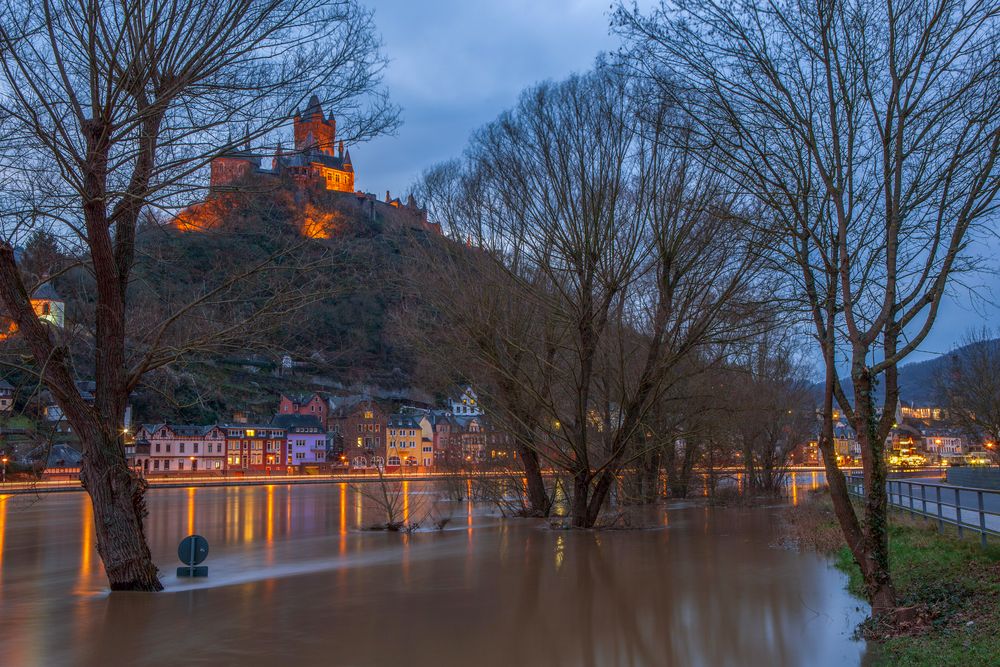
(456, 64)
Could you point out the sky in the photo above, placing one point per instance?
(455, 65)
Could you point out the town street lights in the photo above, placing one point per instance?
(3, 479)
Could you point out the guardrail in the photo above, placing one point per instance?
(965, 507)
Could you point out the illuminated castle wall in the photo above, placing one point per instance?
(317, 157)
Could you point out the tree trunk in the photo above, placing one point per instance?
(539, 502)
(118, 498)
(878, 580)
(581, 496)
(649, 479)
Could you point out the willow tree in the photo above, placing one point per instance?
(593, 263)
(110, 113)
(869, 130)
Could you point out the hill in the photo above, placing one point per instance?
(917, 379)
(344, 256)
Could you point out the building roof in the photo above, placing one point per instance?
(301, 398)
(63, 456)
(298, 423)
(183, 430)
(260, 427)
(404, 421)
(313, 156)
(46, 292)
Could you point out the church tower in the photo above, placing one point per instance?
(313, 131)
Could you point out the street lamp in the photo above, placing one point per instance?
(3, 479)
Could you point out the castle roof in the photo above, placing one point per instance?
(313, 106)
(312, 156)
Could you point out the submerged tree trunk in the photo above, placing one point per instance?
(580, 502)
(539, 502)
(118, 498)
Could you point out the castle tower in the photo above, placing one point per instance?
(313, 131)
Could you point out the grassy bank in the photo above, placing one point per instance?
(954, 584)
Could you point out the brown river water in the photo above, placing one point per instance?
(294, 579)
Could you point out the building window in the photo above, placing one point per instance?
(180, 465)
(195, 448)
(180, 448)
(156, 465)
(166, 465)
(168, 448)
(157, 447)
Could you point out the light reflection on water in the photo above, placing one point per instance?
(706, 588)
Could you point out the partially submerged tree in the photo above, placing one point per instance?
(596, 262)
(110, 112)
(771, 412)
(870, 133)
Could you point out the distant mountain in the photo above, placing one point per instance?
(916, 379)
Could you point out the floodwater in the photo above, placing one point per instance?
(295, 580)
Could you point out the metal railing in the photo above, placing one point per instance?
(966, 508)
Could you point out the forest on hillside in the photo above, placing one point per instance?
(327, 300)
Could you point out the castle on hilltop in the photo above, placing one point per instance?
(318, 159)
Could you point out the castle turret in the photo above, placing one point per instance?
(314, 132)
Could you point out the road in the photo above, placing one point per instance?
(917, 491)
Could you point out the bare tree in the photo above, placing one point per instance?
(869, 131)
(969, 389)
(771, 412)
(111, 113)
(598, 262)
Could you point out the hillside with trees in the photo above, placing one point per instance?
(330, 301)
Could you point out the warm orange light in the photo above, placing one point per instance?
(204, 216)
(319, 224)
